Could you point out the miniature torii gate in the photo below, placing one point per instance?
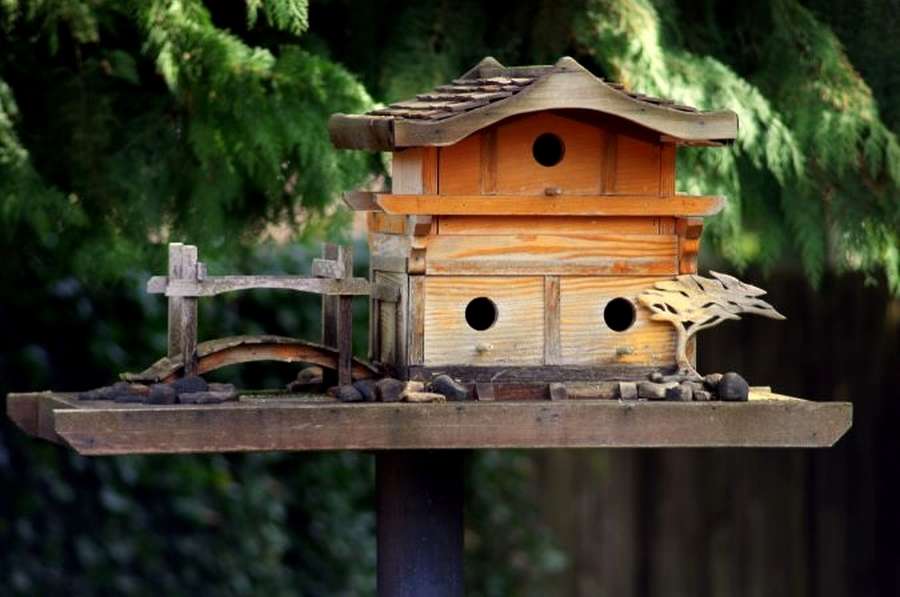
(631, 224)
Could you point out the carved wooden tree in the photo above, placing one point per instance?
(692, 303)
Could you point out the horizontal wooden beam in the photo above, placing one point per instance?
(536, 254)
(361, 201)
(281, 423)
(214, 285)
(559, 205)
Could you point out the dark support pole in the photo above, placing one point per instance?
(420, 523)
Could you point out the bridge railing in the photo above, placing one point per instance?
(187, 281)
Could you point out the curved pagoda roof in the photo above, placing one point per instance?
(490, 92)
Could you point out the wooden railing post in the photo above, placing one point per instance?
(175, 302)
(345, 322)
(337, 310)
(182, 330)
(190, 267)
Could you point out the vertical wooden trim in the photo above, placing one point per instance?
(189, 312)
(667, 170)
(489, 161)
(552, 348)
(608, 180)
(345, 321)
(430, 173)
(416, 325)
(329, 303)
(175, 303)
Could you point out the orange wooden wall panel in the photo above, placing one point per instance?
(602, 156)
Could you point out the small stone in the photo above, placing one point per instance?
(310, 375)
(309, 379)
(681, 392)
(695, 386)
(134, 392)
(366, 387)
(223, 387)
(106, 392)
(348, 393)
(712, 380)
(389, 389)
(656, 377)
(702, 395)
(188, 385)
(651, 390)
(162, 393)
(206, 397)
(628, 390)
(558, 391)
(733, 388)
(413, 396)
(450, 388)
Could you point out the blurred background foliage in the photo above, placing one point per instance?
(125, 124)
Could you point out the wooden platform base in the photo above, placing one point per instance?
(312, 422)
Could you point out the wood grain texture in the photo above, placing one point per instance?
(545, 254)
(568, 225)
(578, 173)
(377, 221)
(637, 170)
(460, 167)
(214, 285)
(99, 428)
(513, 205)
(175, 304)
(406, 171)
(667, 174)
(416, 324)
(551, 321)
(515, 338)
(585, 338)
(392, 326)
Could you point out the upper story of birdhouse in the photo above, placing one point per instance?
(556, 132)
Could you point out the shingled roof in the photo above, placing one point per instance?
(490, 92)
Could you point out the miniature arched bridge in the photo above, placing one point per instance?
(223, 352)
(187, 281)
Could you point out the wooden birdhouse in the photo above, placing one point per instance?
(529, 208)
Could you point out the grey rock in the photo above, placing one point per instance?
(162, 393)
(106, 392)
(366, 387)
(347, 393)
(712, 380)
(189, 385)
(681, 392)
(702, 395)
(651, 390)
(309, 379)
(389, 389)
(206, 397)
(310, 375)
(656, 377)
(449, 387)
(733, 388)
(628, 390)
(223, 387)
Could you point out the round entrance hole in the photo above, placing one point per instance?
(619, 314)
(481, 313)
(548, 150)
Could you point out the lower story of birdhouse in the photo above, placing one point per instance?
(528, 328)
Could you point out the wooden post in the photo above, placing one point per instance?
(175, 302)
(345, 322)
(189, 271)
(329, 313)
(420, 523)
